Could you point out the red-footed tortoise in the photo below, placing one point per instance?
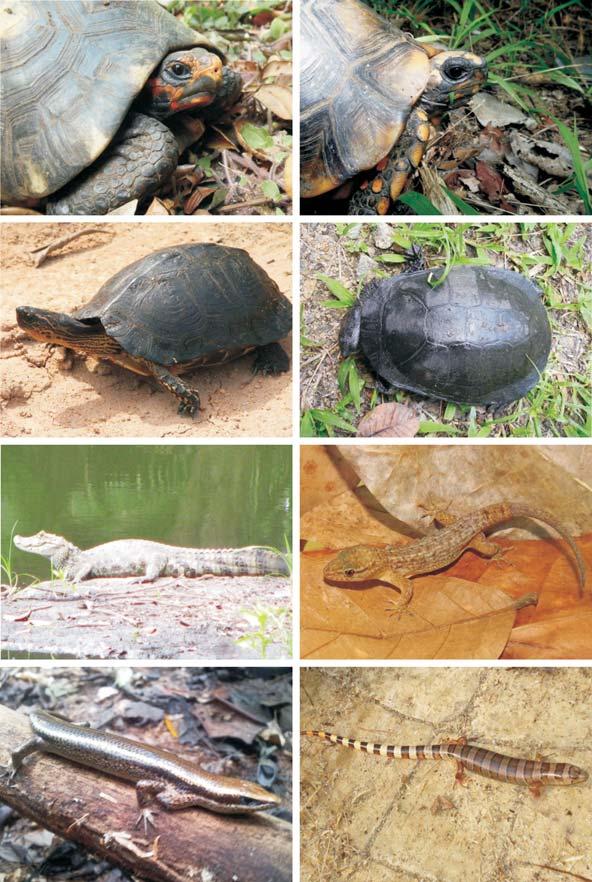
(84, 85)
(367, 92)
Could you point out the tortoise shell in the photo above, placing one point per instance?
(69, 72)
(481, 337)
(185, 303)
(360, 78)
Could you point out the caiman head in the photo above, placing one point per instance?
(54, 548)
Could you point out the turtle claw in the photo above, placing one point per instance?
(189, 406)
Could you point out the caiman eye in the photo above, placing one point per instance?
(180, 70)
(350, 573)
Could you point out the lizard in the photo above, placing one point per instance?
(533, 773)
(397, 564)
(150, 560)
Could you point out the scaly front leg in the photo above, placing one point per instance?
(404, 585)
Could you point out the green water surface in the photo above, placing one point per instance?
(198, 496)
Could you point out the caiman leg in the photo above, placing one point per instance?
(188, 399)
(377, 195)
(141, 157)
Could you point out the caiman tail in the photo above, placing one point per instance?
(254, 560)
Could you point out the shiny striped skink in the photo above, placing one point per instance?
(534, 773)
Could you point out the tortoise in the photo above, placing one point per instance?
(173, 310)
(368, 91)
(482, 336)
(84, 86)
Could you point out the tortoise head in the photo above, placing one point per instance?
(454, 77)
(185, 80)
(61, 329)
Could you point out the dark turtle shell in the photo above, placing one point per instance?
(69, 71)
(190, 301)
(481, 337)
(360, 78)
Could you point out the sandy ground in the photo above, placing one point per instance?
(367, 819)
(41, 397)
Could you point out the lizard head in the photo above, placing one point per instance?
(358, 563)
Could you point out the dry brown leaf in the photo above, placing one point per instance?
(567, 634)
(324, 475)
(276, 98)
(390, 420)
(288, 176)
(157, 206)
(447, 618)
(278, 69)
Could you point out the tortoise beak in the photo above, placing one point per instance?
(47, 326)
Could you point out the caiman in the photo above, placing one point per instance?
(150, 560)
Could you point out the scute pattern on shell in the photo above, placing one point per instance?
(360, 78)
(181, 303)
(69, 71)
(481, 337)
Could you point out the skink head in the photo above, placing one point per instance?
(234, 796)
(355, 564)
(576, 775)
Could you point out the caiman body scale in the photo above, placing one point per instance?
(150, 560)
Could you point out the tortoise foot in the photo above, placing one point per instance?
(271, 359)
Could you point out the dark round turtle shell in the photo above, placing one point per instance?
(69, 71)
(481, 337)
(360, 78)
(190, 301)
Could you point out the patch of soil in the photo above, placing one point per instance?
(44, 395)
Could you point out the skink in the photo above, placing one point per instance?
(158, 775)
(534, 773)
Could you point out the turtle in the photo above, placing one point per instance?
(480, 336)
(175, 309)
(85, 86)
(367, 94)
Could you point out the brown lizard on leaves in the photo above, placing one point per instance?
(397, 564)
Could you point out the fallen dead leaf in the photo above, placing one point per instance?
(276, 98)
(390, 420)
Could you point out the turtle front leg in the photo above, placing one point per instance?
(388, 184)
(189, 402)
(141, 157)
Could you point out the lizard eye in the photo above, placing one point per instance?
(350, 573)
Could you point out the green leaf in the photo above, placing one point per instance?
(256, 137)
(419, 203)
(338, 290)
(271, 190)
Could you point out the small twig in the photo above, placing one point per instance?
(43, 252)
(238, 206)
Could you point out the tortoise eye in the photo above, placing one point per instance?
(179, 69)
(455, 72)
(350, 573)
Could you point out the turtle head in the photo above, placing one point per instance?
(454, 78)
(185, 80)
(349, 333)
(60, 329)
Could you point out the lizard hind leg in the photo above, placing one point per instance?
(489, 549)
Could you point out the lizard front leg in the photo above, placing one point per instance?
(404, 585)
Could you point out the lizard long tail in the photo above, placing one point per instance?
(519, 510)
